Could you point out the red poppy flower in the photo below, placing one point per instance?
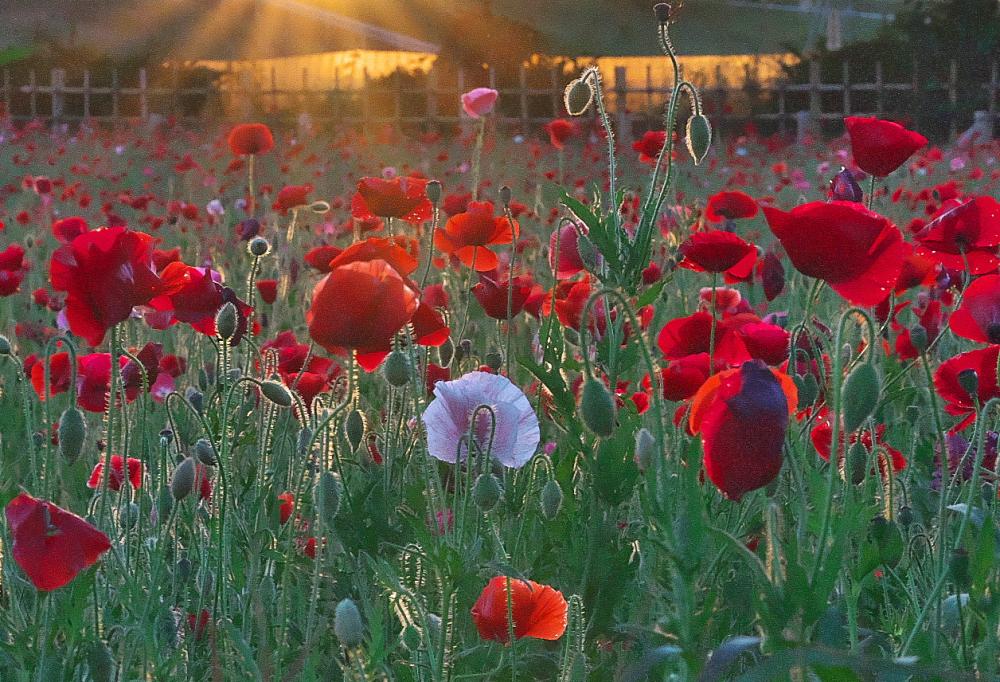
(117, 473)
(822, 439)
(918, 270)
(963, 232)
(771, 274)
(319, 258)
(286, 505)
(564, 242)
(570, 298)
(68, 229)
(650, 145)
(978, 317)
(106, 273)
(59, 374)
(467, 235)
(738, 338)
(880, 147)
(250, 138)
(539, 611)
(560, 130)
(195, 296)
(742, 416)
(268, 289)
(682, 378)
(857, 252)
(12, 269)
(724, 206)
(403, 197)
(718, 251)
(292, 196)
(492, 295)
(983, 362)
(52, 545)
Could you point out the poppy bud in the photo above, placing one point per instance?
(183, 569)
(354, 428)
(861, 389)
(302, 444)
(808, 389)
(571, 336)
(164, 503)
(102, 666)
(905, 516)
(182, 482)
(327, 497)
(912, 414)
(662, 10)
(446, 351)
(5, 348)
(857, 463)
(258, 246)
(699, 137)
(130, 515)
(552, 499)
(968, 379)
(597, 407)
(72, 433)
(226, 321)
(347, 624)
(486, 492)
(918, 337)
(505, 196)
(196, 398)
(205, 451)
(589, 255)
(888, 540)
(645, 445)
(958, 568)
(397, 369)
(276, 392)
(168, 627)
(578, 96)
(466, 346)
(493, 360)
(433, 191)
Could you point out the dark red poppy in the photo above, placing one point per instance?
(268, 289)
(564, 243)
(250, 138)
(286, 505)
(742, 416)
(682, 378)
(963, 232)
(59, 374)
(958, 401)
(66, 230)
(538, 611)
(771, 274)
(404, 198)
(560, 130)
(106, 273)
(718, 251)
(857, 252)
(493, 294)
(978, 317)
(117, 473)
(650, 145)
(880, 147)
(738, 338)
(468, 235)
(195, 297)
(822, 439)
(292, 196)
(723, 206)
(51, 545)
(12, 269)
(319, 257)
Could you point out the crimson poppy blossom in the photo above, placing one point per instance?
(117, 473)
(978, 317)
(732, 205)
(250, 139)
(538, 611)
(742, 416)
(822, 439)
(856, 251)
(879, 146)
(468, 235)
(650, 145)
(718, 251)
(560, 131)
(12, 269)
(292, 197)
(738, 338)
(286, 505)
(404, 198)
(66, 230)
(51, 545)
(682, 378)
(268, 290)
(492, 295)
(195, 297)
(958, 401)
(963, 233)
(319, 257)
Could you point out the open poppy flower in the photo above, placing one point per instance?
(560, 131)
(856, 251)
(738, 338)
(404, 198)
(718, 251)
(742, 416)
(880, 147)
(493, 294)
(66, 230)
(650, 145)
(958, 401)
(268, 290)
(117, 473)
(918, 270)
(291, 197)
(12, 269)
(723, 206)
(682, 378)
(978, 317)
(319, 257)
(195, 297)
(822, 439)
(539, 611)
(51, 545)
(105, 273)
(467, 235)
(963, 232)
(250, 138)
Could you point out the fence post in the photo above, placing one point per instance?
(621, 106)
(815, 102)
(846, 72)
(994, 84)
(8, 96)
(953, 98)
(33, 98)
(143, 97)
(556, 92)
(57, 81)
(522, 80)
(115, 104)
(432, 97)
(397, 93)
(782, 109)
(879, 89)
(365, 104)
(86, 95)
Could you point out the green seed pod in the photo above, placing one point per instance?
(662, 10)
(196, 398)
(5, 347)
(905, 516)
(506, 195)
(552, 499)
(493, 360)
(259, 246)
(102, 666)
(918, 337)
(72, 434)
(446, 351)
(888, 539)
(597, 407)
(968, 379)
(164, 504)
(861, 389)
(182, 482)
(645, 448)
(354, 428)
(347, 624)
(205, 451)
(276, 392)
(183, 569)
(808, 389)
(486, 492)
(699, 137)
(578, 96)
(327, 497)
(958, 569)
(397, 369)
(857, 463)
(433, 191)
(129, 516)
(226, 321)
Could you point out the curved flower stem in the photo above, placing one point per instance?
(109, 443)
(510, 284)
(477, 156)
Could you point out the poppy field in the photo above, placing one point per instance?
(472, 404)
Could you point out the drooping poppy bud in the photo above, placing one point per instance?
(182, 482)
(347, 624)
(354, 428)
(698, 137)
(72, 434)
(486, 492)
(551, 499)
(861, 389)
(327, 497)
(397, 369)
(276, 392)
(597, 407)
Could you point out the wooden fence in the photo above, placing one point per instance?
(534, 99)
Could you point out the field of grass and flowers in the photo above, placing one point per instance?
(308, 406)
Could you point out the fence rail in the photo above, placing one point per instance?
(526, 102)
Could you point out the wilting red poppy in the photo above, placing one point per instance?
(539, 611)
(718, 251)
(742, 416)
(650, 145)
(857, 252)
(958, 401)
(560, 130)
(880, 147)
(268, 289)
(250, 138)
(117, 473)
(492, 295)
(195, 297)
(978, 317)
(319, 257)
(404, 198)
(292, 196)
(51, 545)
(963, 232)
(734, 205)
(467, 235)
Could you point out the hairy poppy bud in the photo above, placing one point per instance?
(354, 428)
(196, 398)
(226, 321)
(205, 451)
(486, 492)
(905, 516)
(5, 348)
(968, 379)
(493, 360)
(918, 337)
(552, 499)
(861, 390)
(888, 540)
(589, 255)
(597, 407)
(698, 137)
(958, 568)
(182, 482)
(302, 443)
(183, 569)
(857, 463)
(433, 191)
(808, 389)
(327, 497)
(102, 666)
(913, 414)
(347, 624)
(645, 447)
(72, 433)
(397, 369)
(505, 196)
(663, 12)
(319, 207)
(578, 96)
(276, 392)
(259, 246)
